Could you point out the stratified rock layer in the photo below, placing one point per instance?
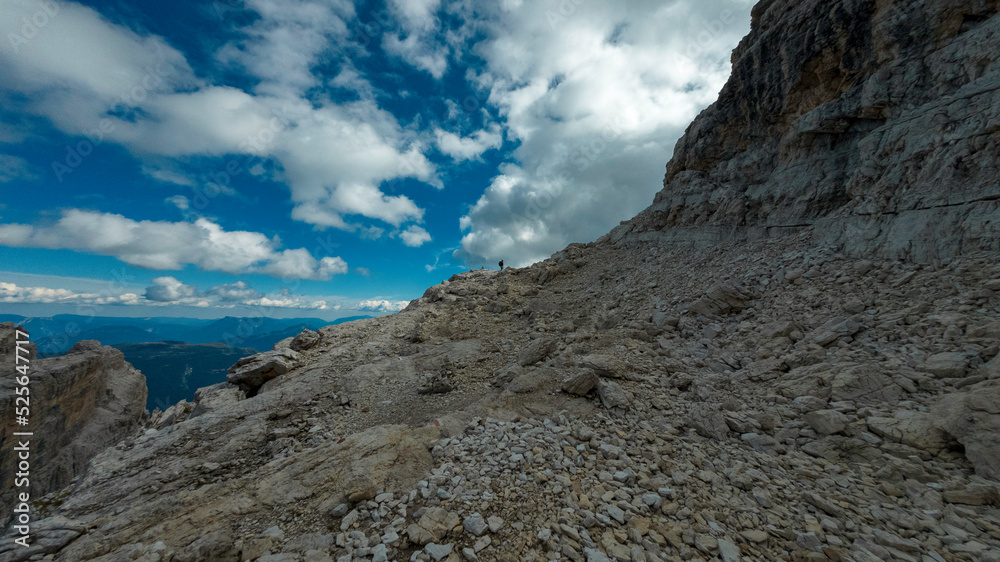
(876, 122)
(80, 404)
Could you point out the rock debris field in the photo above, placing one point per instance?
(805, 406)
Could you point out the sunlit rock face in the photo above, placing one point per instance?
(877, 122)
(80, 403)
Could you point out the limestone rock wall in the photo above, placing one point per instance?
(81, 403)
(876, 122)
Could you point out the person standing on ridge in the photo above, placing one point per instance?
(501, 265)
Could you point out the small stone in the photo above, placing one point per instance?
(348, 521)
(893, 541)
(706, 543)
(854, 306)
(475, 524)
(536, 351)
(763, 497)
(316, 556)
(728, 551)
(362, 495)
(418, 535)
(754, 536)
(469, 554)
(482, 543)
(594, 555)
(495, 523)
(652, 500)
(582, 383)
(809, 541)
(273, 533)
(340, 510)
(438, 522)
(615, 512)
(827, 422)
(819, 503)
(379, 554)
(438, 551)
(946, 365)
(612, 395)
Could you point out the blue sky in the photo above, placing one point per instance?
(328, 158)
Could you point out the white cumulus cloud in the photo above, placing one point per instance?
(164, 292)
(179, 201)
(170, 291)
(470, 147)
(413, 42)
(414, 236)
(300, 264)
(282, 45)
(86, 74)
(12, 293)
(171, 245)
(381, 306)
(596, 94)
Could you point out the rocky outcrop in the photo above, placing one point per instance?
(250, 373)
(875, 122)
(304, 340)
(720, 299)
(81, 403)
(9, 340)
(973, 419)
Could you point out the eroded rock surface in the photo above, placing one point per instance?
(80, 404)
(874, 122)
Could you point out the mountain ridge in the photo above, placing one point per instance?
(55, 335)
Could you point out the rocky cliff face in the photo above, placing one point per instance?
(806, 396)
(876, 123)
(81, 403)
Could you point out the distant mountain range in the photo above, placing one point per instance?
(56, 335)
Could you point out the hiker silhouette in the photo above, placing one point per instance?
(501, 265)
